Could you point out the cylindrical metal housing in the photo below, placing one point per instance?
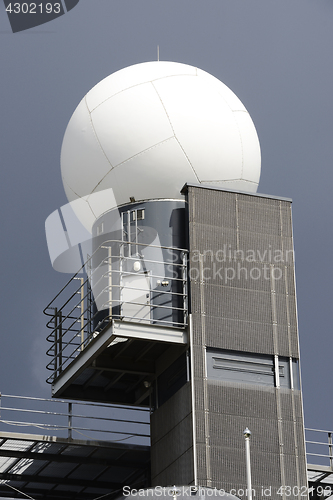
(138, 270)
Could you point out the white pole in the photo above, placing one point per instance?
(247, 435)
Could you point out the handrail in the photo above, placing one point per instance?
(82, 268)
(107, 294)
(64, 423)
(78, 403)
(314, 446)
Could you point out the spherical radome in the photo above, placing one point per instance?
(146, 130)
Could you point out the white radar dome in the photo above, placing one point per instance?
(146, 130)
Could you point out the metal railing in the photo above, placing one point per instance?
(121, 280)
(319, 447)
(73, 419)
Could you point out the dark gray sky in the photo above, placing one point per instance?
(276, 55)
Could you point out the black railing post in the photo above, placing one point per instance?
(55, 363)
(70, 420)
(57, 342)
(60, 342)
(330, 449)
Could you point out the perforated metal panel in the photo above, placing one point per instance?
(241, 271)
(243, 300)
(232, 333)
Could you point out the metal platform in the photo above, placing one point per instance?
(46, 467)
(320, 482)
(85, 450)
(54, 466)
(113, 331)
(122, 372)
(319, 450)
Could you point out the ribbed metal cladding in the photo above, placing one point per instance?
(166, 418)
(242, 271)
(172, 446)
(172, 440)
(180, 470)
(243, 299)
